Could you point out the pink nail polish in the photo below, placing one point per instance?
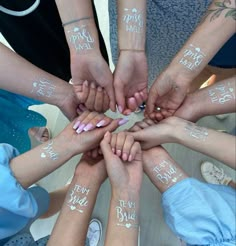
(123, 121)
(101, 123)
(124, 157)
(120, 109)
(80, 129)
(118, 152)
(88, 127)
(76, 125)
(113, 150)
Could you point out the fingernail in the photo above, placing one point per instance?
(106, 134)
(88, 127)
(130, 158)
(124, 157)
(76, 125)
(113, 150)
(100, 151)
(118, 152)
(99, 88)
(120, 109)
(123, 121)
(80, 129)
(101, 123)
(82, 107)
(86, 83)
(93, 85)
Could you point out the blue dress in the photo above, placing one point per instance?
(169, 24)
(16, 119)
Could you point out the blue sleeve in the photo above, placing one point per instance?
(13, 197)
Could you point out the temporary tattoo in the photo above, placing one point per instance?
(167, 173)
(78, 198)
(48, 151)
(43, 88)
(126, 214)
(219, 8)
(222, 93)
(197, 132)
(81, 38)
(133, 20)
(192, 57)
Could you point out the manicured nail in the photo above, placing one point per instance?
(130, 158)
(80, 129)
(76, 125)
(124, 157)
(88, 127)
(86, 83)
(113, 150)
(118, 152)
(99, 88)
(101, 123)
(82, 107)
(106, 134)
(93, 86)
(123, 121)
(120, 109)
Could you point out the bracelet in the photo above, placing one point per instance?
(135, 50)
(76, 20)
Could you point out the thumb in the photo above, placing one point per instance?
(110, 92)
(152, 98)
(106, 147)
(120, 97)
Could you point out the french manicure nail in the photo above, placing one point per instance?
(120, 109)
(86, 83)
(93, 86)
(101, 123)
(88, 127)
(130, 158)
(118, 152)
(76, 125)
(80, 129)
(123, 121)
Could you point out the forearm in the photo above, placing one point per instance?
(81, 35)
(216, 144)
(203, 44)
(216, 99)
(131, 24)
(123, 224)
(21, 77)
(72, 224)
(40, 161)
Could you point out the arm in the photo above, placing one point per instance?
(72, 224)
(81, 33)
(215, 29)
(216, 144)
(126, 178)
(54, 153)
(130, 79)
(216, 99)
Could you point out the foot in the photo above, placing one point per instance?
(94, 232)
(213, 174)
(41, 134)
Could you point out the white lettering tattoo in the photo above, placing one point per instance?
(196, 132)
(167, 173)
(126, 214)
(43, 88)
(133, 20)
(192, 57)
(48, 151)
(81, 38)
(78, 198)
(222, 93)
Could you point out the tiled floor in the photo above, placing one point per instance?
(154, 232)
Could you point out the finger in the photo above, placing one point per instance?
(83, 108)
(132, 104)
(113, 142)
(149, 121)
(135, 128)
(91, 97)
(120, 140)
(106, 147)
(138, 98)
(135, 152)
(151, 100)
(85, 92)
(120, 97)
(98, 121)
(98, 106)
(110, 92)
(142, 124)
(106, 101)
(86, 121)
(129, 141)
(80, 119)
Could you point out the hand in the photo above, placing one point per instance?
(150, 135)
(124, 174)
(130, 80)
(93, 68)
(166, 93)
(79, 143)
(92, 168)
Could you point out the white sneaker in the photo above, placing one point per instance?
(213, 174)
(94, 232)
